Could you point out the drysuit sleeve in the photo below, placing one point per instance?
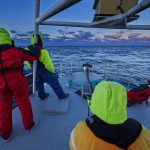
(31, 53)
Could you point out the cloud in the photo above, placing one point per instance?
(61, 32)
(134, 35)
(44, 34)
(74, 36)
(91, 38)
(113, 37)
(82, 37)
(21, 34)
(121, 32)
(71, 32)
(13, 31)
(26, 35)
(63, 38)
(29, 32)
(146, 37)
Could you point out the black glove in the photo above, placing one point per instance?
(34, 49)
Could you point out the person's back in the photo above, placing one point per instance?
(109, 128)
(12, 63)
(12, 59)
(14, 83)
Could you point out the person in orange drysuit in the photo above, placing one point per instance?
(109, 128)
(14, 83)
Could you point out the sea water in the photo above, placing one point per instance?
(129, 65)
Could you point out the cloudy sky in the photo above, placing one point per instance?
(17, 16)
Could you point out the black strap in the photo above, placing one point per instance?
(4, 71)
(5, 47)
(33, 51)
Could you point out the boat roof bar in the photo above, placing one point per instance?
(138, 27)
(58, 7)
(88, 25)
(138, 8)
(107, 20)
(64, 23)
(117, 18)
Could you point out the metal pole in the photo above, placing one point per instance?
(58, 7)
(138, 8)
(138, 27)
(88, 25)
(63, 23)
(36, 29)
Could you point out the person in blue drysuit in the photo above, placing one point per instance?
(46, 72)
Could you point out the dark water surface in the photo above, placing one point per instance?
(127, 64)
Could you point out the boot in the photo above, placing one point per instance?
(46, 95)
(64, 97)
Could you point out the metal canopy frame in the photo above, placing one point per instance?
(109, 22)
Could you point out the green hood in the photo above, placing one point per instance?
(4, 37)
(32, 38)
(109, 101)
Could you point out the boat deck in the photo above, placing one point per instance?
(53, 129)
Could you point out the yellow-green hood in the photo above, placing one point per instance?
(32, 38)
(109, 101)
(4, 37)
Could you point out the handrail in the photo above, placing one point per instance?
(91, 25)
(58, 7)
(105, 75)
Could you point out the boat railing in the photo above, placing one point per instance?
(108, 72)
(67, 68)
(29, 74)
(30, 83)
